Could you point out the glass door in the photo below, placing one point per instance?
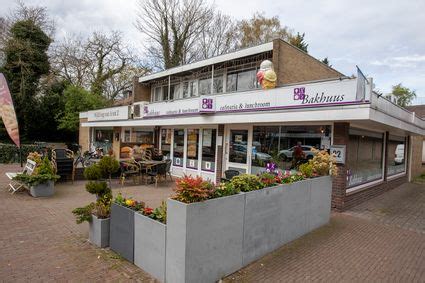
(238, 147)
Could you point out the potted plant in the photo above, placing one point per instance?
(122, 225)
(42, 182)
(96, 213)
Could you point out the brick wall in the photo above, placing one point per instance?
(339, 182)
(83, 136)
(417, 147)
(140, 92)
(292, 65)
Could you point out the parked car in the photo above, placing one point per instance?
(399, 154)
(286, 154)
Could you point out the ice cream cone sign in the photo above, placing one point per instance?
(266, 76)
(7, 111)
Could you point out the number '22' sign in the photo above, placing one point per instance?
(339, 152)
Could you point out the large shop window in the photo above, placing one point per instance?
(166, 142)
(208, 149)
(192, 148)
(242, 80)
(103, 139)
(144, 137)
(288, 146)
(396, 155)
(365, 157)
(178, 148)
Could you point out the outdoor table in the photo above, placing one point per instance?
(148, 164)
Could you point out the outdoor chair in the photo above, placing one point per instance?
(129, 170)
(157, 171)
(64, 163)
(168, 169)
(15, 185)
(229, 174)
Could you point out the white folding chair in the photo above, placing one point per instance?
(15, 185)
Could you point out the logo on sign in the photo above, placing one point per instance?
(207, 103)
(299, 93)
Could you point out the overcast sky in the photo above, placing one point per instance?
(385, 38)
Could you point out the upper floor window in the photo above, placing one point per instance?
(242, 80)
(204, 86)
(157, 94)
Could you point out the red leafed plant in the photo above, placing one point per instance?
(193, 189)
(147, 211)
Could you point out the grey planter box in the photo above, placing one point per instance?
(277, 215)
(121, 237)
(99, 231)
(43, 190)
(204, 240)
(149, 245)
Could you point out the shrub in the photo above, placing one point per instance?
(93, 172)
(108, 165)
(42, 174)
(306, 169)
(224, 189)
(193, 189)
(246, 183)
(323, 163)
(98, 188)
(9, 153)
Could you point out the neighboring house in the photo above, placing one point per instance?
(212, 115)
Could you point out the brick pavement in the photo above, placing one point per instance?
(40, 241)
(382, 240)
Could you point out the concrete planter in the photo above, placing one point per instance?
(277, 215)
(43, 190)
(121, 235)
(204, 240)
(149, 245)
(99, 231)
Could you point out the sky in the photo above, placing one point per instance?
(385, 38)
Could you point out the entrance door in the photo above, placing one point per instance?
(238, 147)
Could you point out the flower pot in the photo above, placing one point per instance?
(121, 237)
(99, 231)
(46, 189)
(204, 239)
(149, 245)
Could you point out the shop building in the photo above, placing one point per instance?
(212, 115)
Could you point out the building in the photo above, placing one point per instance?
(212, 115)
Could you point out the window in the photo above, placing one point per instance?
(192, 148)
(186, 90)
(157, 94)
(143, 136)
(165, 93)
(277, 144)
(127, 136)
(193, 88)
(175, 92)
(396, 155)
(242, 80)
(178, 147)
(166, 142)
(205, 86)
(365, 157)
(218, 84)
(208, 149)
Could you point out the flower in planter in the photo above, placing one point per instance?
(271, 167)
(193, 189)
(147, 211)
(130, 203)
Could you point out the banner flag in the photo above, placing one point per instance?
(7, 111)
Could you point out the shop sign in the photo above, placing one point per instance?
(108, 114)
(339, 152)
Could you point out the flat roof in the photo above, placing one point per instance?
(210, 61)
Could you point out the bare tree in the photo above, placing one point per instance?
(100, 63)
(173, 27)
(218, 37)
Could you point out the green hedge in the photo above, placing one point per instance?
(9, 153)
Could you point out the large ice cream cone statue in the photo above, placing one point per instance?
(7, 112)
(266, 76)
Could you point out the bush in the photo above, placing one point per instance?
(224, 190)
(108, 165)
(93, 172)
(246, 183)
(193, 189)
(42, 174)
(306, 169)
(9, 153)
(323, 163)
(98, 188)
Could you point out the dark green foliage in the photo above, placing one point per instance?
(9, 153)
(108, 165)
(77, 100)
(26, 61)
(83, 213)
(97, 188)
(93, 172)
(298, 41)
(403, 94)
